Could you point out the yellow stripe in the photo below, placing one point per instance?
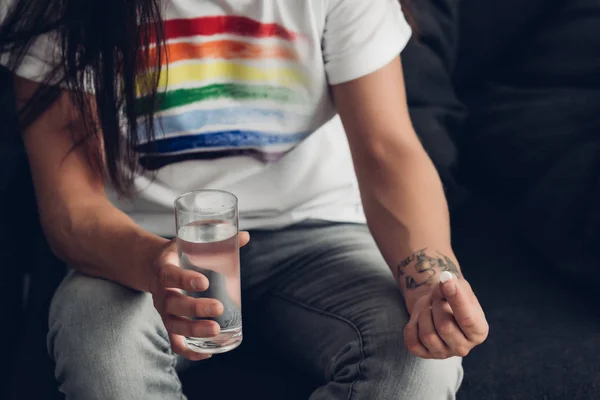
(189, 73)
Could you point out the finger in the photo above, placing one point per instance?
(437, 294)
(186, 327)
(177, 303)
(179, 346)
(244, 238)
(448, 330)
(429, 336)
(171, 276)
(467, 311)
(411, 338)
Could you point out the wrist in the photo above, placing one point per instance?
(419, 274)
(149, 249)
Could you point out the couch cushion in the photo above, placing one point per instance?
(532, 141)
(435, 110)
(544, 330)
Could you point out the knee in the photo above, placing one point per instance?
(95, 325)
(405, 376)
(431, 379)
(87, 313)
(87, 306)
(105, 338)
(389, 371)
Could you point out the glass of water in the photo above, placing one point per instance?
(207, 242)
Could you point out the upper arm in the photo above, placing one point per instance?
(361, 46)
(361, 37)
(62, 175)
(375, 115)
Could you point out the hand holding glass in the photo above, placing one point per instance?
(207, 242)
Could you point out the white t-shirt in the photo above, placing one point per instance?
(247, 108)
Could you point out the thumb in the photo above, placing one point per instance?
(439, 293)
(244, 238)
(448, 284)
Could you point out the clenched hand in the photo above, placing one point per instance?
(446, 322)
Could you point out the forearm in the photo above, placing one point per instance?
(82, 227)
(408, 215)
(99, 240)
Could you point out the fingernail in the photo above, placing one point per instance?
(197, 284)
(450, 288)
(446, 276)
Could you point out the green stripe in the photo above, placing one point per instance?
(181, 97)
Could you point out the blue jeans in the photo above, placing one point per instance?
(328, 298)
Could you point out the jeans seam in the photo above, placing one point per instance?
(174, 375)
(302, 304)
(163, 334)
(173, 371)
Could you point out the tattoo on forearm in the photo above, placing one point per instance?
(419, 268)
(408, 260)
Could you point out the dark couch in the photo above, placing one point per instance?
(532, 139)
(461, 81)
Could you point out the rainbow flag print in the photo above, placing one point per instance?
(230, 85)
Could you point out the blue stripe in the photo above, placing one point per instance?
(197, 119)
(231, 139)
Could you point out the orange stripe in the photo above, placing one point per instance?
(224, 50)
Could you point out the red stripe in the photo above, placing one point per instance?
(215, 25)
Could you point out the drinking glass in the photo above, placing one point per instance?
(207, 242)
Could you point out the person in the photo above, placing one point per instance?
(299, 109)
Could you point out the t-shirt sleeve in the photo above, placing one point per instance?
(41, 57)
(362, 36)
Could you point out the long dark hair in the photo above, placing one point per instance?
(103, 50)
